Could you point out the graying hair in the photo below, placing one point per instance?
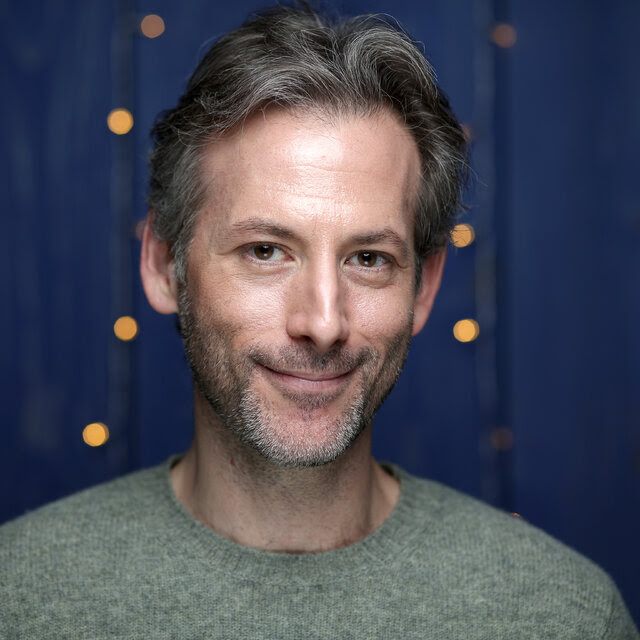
(291, 57)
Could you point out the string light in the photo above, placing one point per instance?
(501, 439)
(139, 229)
(125, 328)
(462, 235)
(504, 35)
(120, 121)
(467, 132)
(152, 26)
(466, 330)
(95, 434)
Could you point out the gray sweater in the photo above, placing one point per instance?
(125, 560)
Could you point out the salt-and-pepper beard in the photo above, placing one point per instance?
(224, 378)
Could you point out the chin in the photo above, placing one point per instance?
(301, 441)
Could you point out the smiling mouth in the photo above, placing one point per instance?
(313, 382)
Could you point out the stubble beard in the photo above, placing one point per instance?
(225, 378)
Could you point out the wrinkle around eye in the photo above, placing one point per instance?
(381, 274)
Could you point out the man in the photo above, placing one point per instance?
(301, 194)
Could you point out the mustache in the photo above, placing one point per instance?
(337, 360)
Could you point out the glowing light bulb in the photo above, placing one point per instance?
(120, 121)
(95, 434)
(125, 328)
(152, 26)
(138, 230)
(504, 35)
(462, 235)
(501, 439)
(466, 330)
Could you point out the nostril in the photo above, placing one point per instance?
(317, 307)
(323, 330)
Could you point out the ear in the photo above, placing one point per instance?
(432, 268)
(157, 271)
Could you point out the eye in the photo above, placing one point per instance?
(370, 259)
(265, 252)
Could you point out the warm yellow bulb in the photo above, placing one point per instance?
(120, 121)
(152, 26)
(504, 35)
(138, 230)
(95, 434)
(466, 330)
(501, 439)
(462, 235)
(125, 328)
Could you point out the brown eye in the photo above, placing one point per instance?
(367, 258)
(264, 251)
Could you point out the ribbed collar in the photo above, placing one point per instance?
(414, 511)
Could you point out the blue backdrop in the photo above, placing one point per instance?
(539, 415)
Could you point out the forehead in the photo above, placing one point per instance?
(309, 166)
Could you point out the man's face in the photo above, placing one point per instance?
(298, 308)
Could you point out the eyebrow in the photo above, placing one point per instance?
(263, 226)
(386, 234)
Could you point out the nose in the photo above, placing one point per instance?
(317, 310)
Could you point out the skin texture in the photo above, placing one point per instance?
(297, 312)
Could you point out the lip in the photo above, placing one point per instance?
(307, 382)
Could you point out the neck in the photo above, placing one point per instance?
(243, 497)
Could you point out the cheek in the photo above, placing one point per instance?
(240, 303)
(381, 314)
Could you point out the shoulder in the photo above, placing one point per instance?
(75, 567)
(470, 529)
(497, 562)
(77, 526)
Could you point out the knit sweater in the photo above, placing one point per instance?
(125, 560)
